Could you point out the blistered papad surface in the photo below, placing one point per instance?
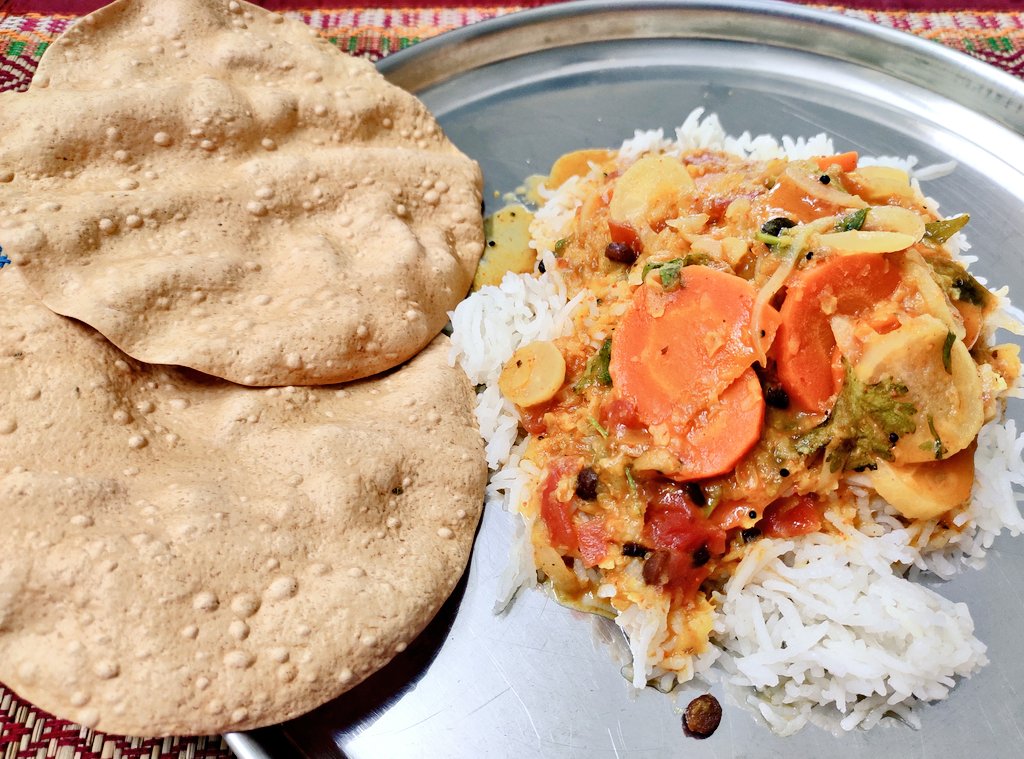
(180, 555)
(214, 186)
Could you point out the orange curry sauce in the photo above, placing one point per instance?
(661, 464)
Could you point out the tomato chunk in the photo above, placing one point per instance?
(791, 516)
(624, 233)
(555, 513)
(593, 541)
(845, 161)
(684, 539)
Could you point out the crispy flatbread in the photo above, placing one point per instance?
(180, 555)
(215, 186)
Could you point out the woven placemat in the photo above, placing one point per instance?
(992, 31)
(994, 36)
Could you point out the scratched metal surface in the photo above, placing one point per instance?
(515, 94)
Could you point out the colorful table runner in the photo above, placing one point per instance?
(990, 30)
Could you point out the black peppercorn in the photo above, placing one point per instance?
(696, 494)
(776, 397)
(635, 550)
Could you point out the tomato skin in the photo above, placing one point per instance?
(732, 516)
(678, 529)
(791, 516)
(555, 513)
(532, 418)
(625, 233)
(619, 414)
(593, 542)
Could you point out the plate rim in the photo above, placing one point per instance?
(964, 79)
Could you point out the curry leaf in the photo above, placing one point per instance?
(958, 283)
(940, 231)
(947, 352)
(935, 444)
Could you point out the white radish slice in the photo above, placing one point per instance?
(894, 219)
(533, 374)
(856, 241)
(932, 300)
(809, 182)
(878, 184)
(928, 489)
(949, 403)
(650, 186)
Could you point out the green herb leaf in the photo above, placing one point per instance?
(560, 245)
(630, 480)
(597, 368)
(669, 273)
(697, 259)
(947, 352)
(853, 221)
(940, 231)
(597, 426)
(857, 432)
(935, 444)
(958, 284)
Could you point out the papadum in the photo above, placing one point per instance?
(215, 186)
(180, 555)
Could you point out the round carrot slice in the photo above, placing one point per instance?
(844, 285)
(682, 358)
(675, 352)
(719, 436)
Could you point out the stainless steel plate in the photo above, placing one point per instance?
(517, 92)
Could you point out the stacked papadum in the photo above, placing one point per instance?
(222, 200)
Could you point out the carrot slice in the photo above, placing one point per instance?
(846, 285)
(675, 352)
(845, 161)
(682, 358)
(721, 434)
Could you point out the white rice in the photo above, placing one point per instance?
(822, 625)
(820, 629)
(489, 327)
